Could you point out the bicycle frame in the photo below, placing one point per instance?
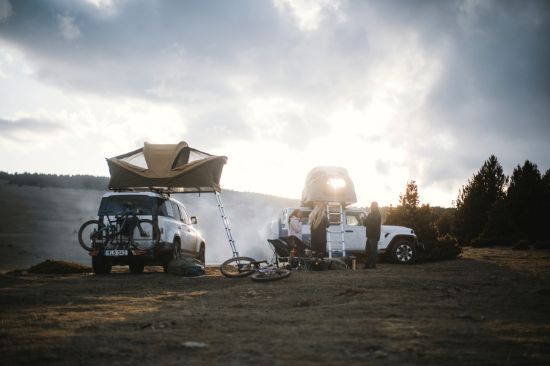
(113, 230)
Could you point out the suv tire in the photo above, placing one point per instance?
(136, 266)
(101, 265)
(176, 254)
(403, 252)
(202, 255)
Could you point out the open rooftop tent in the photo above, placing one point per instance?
(328, 184)
(168, 167)
(175, 168)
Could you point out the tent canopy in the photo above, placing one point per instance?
(171, 167)
(328, 184)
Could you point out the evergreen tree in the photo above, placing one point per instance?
(445, 222)
(528, 201)
(420, 218)
(500, 228)
(410, 199)
(476, 198)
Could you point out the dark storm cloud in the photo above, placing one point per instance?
(492, 96)
(129, 51)
(10, 129)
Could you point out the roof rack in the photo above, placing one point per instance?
(160, 190)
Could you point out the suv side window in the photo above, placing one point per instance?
(166, 209)
(175, 208)
(353, 218)
(184, 214)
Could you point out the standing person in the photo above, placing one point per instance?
(319, 222)
(295, 224)
(295, 233)
(373, 224)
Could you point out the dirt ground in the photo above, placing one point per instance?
(490, 307)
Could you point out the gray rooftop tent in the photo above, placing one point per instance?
(169, 168)
(333, 187)
(318, 187)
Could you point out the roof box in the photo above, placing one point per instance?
(328, 184)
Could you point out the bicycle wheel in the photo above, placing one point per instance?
(238, 267)
(89, 235)
(145, 235)
(271, 274)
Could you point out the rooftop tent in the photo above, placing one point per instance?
(174, 167)
(328, 184)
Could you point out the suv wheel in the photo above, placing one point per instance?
(101, 265)
(176, 254)
(404, 252)
(201, 256)
(136, 266)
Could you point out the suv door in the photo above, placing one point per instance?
(188, 231)
(169, 222)
(355, 232)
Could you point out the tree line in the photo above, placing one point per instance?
(55, 180)
(491, 209)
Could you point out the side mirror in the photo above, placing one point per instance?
(194, 220)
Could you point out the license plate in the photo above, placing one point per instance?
(116, 252)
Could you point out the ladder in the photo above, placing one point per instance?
(335, 215)
(226, 225)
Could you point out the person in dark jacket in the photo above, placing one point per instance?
(319, 222)
(373, 224)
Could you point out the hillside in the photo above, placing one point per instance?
(39, 223)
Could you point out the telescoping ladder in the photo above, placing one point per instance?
(335, 215)
(226, 225)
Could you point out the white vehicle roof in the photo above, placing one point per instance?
(132, 193)
(350, 209)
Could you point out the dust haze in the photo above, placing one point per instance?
(42, 223)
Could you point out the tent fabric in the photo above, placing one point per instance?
(318, 187)
(173, 167)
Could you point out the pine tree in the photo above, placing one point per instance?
(410, 199)
(410, 214)
(527, 198)
(476, 198)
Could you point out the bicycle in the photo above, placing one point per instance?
(127, 227)
(260, 271)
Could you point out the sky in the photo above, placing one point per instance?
(391, 90)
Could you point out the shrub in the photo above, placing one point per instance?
(441, 249)
(521, 245)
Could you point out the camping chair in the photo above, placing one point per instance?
(282, 248)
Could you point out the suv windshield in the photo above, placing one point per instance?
(142, 205)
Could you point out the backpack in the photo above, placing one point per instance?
(189, 267)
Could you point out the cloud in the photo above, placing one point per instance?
(308, 14)
(426, 90)
(68, 27)
(18, 129)
(109, 7)
(6, 11)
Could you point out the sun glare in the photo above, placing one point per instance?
(336, 183)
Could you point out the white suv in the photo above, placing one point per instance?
(176, 236)
(398, 241)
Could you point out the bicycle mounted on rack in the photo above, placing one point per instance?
(117, 236)
(138, 228)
